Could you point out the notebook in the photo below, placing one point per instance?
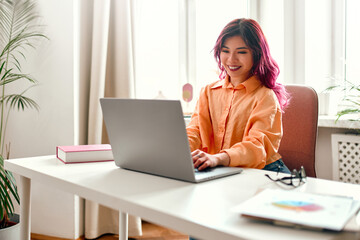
(150, 136)
(300, 209)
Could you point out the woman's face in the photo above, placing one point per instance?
(237, 59)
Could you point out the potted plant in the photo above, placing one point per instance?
(345, 146)
(19, 31)
(350, 106)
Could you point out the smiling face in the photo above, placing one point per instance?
(237, 59)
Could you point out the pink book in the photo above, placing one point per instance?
(84, 153)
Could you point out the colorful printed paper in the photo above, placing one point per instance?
(300, 208)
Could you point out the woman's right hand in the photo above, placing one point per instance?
(203, 160)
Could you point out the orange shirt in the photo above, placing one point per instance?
(244, 121)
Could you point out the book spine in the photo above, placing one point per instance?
(57, 154)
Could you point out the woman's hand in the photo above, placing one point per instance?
(204, 160)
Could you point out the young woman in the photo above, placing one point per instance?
(237, 120)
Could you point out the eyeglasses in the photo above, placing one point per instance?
(296, 178)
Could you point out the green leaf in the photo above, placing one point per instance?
(332, 88)
(6, 74)
(1, 67)
(12, 77)
(5, 185)
(5, 196)
(12, 186)
(19, 32)
(20, 102)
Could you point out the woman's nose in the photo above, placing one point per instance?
(232, 58)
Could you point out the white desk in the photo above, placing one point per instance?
(202, 210)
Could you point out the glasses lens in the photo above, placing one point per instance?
(303, 173)
(295, 173)
(296, 181)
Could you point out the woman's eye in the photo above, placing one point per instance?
(225, 51)
(242, 52)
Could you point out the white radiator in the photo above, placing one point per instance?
(346, 157)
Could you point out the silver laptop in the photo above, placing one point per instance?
(149, 136)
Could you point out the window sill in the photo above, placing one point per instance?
(329, 122)
(324, 121)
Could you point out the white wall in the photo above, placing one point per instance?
(32, 133)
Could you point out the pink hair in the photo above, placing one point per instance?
(264, 66)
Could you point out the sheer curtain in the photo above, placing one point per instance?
(104, 69)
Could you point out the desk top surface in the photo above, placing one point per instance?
(201, 210)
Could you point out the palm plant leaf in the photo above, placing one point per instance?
(347, 111)
(13, 100)
(12, 185)
(19, 31)
(331, 88)
(21, 102)
(9, 77)
(1, 67)
(351, 100)
(19, 27)
(5, 23)
(16, 44)
(3, 77)
(7, 184)
(9, 206)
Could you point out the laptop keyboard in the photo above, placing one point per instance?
(206, 170)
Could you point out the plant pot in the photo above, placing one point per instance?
(12, 232)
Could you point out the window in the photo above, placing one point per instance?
(352, 40)
(318, 44)
(173, 44)
(211, 18)
(314, 42)
(156, 50)
(331, 42)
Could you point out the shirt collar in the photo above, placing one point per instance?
(250, 84)
(220, 83)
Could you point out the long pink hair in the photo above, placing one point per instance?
(264, 66)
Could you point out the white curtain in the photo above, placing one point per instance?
(105, 70)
